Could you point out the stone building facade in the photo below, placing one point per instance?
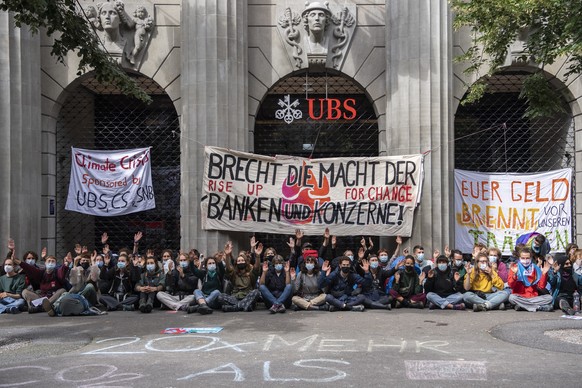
(216, 61)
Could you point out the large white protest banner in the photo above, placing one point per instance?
(496, 209)
(110, 183)
(351, 196)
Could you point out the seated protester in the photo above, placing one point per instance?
(421, 261)
(457, 263)
(104, 282)
(122, 280)
(275, 285)
(51, 281)
(485, 288)
(375, 293)
(308, 295)
(83, 278)
(443, 285)
(151, 281)
(564, 283)
(11, 287)
(525, 280)
(182, 281)
(212, 279)
(406, 290)
(496, 263)
(344, 286)
(243, 277)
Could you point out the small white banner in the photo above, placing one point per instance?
(496, 209)
(351, 196)
(110, 183)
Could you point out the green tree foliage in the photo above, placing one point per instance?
(554, 31)
(65, 21)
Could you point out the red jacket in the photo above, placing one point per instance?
(521, 289)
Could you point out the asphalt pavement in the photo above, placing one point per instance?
(404, 348)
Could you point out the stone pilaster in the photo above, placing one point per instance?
(419, 114)
(214, 98)
(20, 136)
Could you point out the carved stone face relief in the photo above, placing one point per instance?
(325, 37)
(125, 37)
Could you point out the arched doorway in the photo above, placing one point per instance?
(96, 116)
(335, 119)
(492, 135)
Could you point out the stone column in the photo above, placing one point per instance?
(20, 136)
(419, 114)
(214, 98)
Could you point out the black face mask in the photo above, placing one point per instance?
(270, 257)
(408, 268)
(85, 265)
(567, 270)
(241, 266)
(345, 269)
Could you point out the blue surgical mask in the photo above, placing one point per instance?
(211, 267)
(151, 267)
(50, 266)
(384, 258)
(420, 257)
(351, 257)
(374, 264)
(458, 263)
(30, 261)
(442, 266)
(184, 264)
(121, 264)
(310, 266)
(278, 267)
(535, 248)
(99, 264)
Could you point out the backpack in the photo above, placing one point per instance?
(75, 304)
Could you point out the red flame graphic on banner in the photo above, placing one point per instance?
(298, 201)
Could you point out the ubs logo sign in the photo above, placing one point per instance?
(317, 109)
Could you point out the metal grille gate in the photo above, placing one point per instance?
(493, 136)
(96, 116)
(316, 136)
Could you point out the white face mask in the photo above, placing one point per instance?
(420, 257)
(30, 261)
(525, 262)
(383, 258)
(8, 268)
(482, 266)
(493, 259)
(458, 263)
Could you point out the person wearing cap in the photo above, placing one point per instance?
(525, 280)
(308, 295)
(485, 288)
(564, 282)
(344, 286)
(443, 286)
(11, 287)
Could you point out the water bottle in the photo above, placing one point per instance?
(576, 297)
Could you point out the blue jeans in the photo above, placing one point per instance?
(270, 299)
(444, 302)
(6, 303)
(211, 300)
(494, 299)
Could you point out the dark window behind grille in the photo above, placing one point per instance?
(98, 117)
(316, 138)
(493, 135)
